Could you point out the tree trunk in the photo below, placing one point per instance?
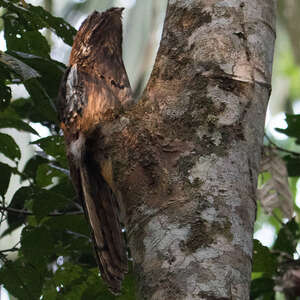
(186, 158)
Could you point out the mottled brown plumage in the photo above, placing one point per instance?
(93, 89)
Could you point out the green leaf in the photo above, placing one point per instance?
(71, 280)
(22, 107)
(68, 274)
(5, 96)
(263, 260)
(5, 91)
(17, 124)
(288, 238)
(45, 202)
(46, 174)
(68, 223)
(25, 109)
(262, 288)
(5, 172)
(42, 102)
(31, 167)
(21, 36)
(65, 187)
(38, 85)
(9, 147)
(61, 28)
(78, 283)
(292, 130)
(293, 165)
(98, 290)
(35, 18)
(22, 280)
(54, 146)
(17, 66)
(72, 238)
(50, 71)
(14, 220)
(37, 245)
(75, 276)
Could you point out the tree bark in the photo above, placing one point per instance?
(186, 157)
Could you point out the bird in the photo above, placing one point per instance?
(93, 89)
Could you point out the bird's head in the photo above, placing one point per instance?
(98, 31)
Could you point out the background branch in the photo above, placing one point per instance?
(28, 213)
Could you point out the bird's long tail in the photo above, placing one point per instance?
(102, 210)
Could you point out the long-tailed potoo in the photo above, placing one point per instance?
(93, 89)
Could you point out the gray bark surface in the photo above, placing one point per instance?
(186, 157)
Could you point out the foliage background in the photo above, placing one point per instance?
(45, 249)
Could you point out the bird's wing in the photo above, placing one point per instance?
(84, 102)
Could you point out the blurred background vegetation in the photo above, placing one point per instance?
(45, 250)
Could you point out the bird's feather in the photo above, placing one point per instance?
(93, 89)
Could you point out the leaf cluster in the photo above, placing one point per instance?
(270, 265)
(273, 265)
(54, 255)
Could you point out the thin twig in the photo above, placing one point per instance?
(282, 254)
(29, 213)
(79, 235)
(63, 170)
(13, 249)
